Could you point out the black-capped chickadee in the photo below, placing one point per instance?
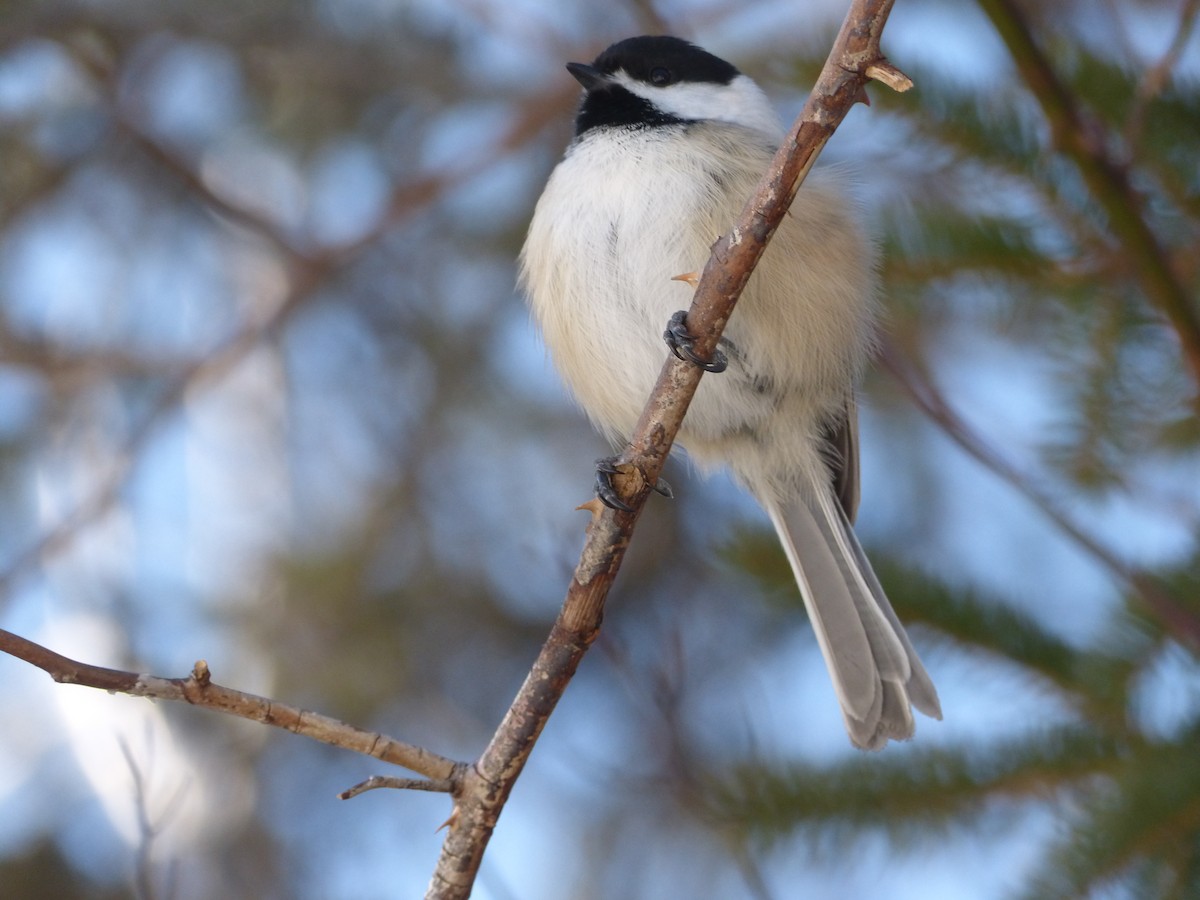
(670, 142)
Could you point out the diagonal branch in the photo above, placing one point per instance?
(1176, 617)
(198, 689)
(481, 790)
(1082, 140)
(854, 59)
(308, 272)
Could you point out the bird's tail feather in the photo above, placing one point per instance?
(876, 672)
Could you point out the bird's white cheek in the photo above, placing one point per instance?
(741, 102)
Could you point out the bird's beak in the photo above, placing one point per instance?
(590, 77)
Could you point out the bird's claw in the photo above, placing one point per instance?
(606, 491)
(681, 342)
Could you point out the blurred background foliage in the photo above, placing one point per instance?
(267, 398)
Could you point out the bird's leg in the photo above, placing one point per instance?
(681, 342)
(609, 466)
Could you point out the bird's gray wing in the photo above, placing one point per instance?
(841, 438)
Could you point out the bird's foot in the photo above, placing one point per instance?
(681, 342)
(609, 466)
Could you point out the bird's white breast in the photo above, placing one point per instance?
(628, 209)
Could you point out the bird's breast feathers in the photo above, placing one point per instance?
(629, 209)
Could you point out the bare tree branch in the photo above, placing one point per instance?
(198, 689)
(487, 784)
(481, 790)
(440, 785)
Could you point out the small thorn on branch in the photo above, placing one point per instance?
(885, 73)
(437, 785)
(594, 506)
(450, 822)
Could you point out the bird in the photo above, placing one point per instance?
(669, 143)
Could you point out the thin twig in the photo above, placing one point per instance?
(199, 689)
(486, 786)
(308, 270)
(1156, 78)
(1178, 618)
(148, 831)
(438, 785)
(1084, 140)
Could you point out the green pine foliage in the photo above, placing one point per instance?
(1025, 230)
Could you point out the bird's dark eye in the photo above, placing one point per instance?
(661, 76)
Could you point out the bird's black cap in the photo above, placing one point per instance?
(657, 60)
(684, 61)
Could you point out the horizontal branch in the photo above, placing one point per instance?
(439, 785)
(198, 689)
